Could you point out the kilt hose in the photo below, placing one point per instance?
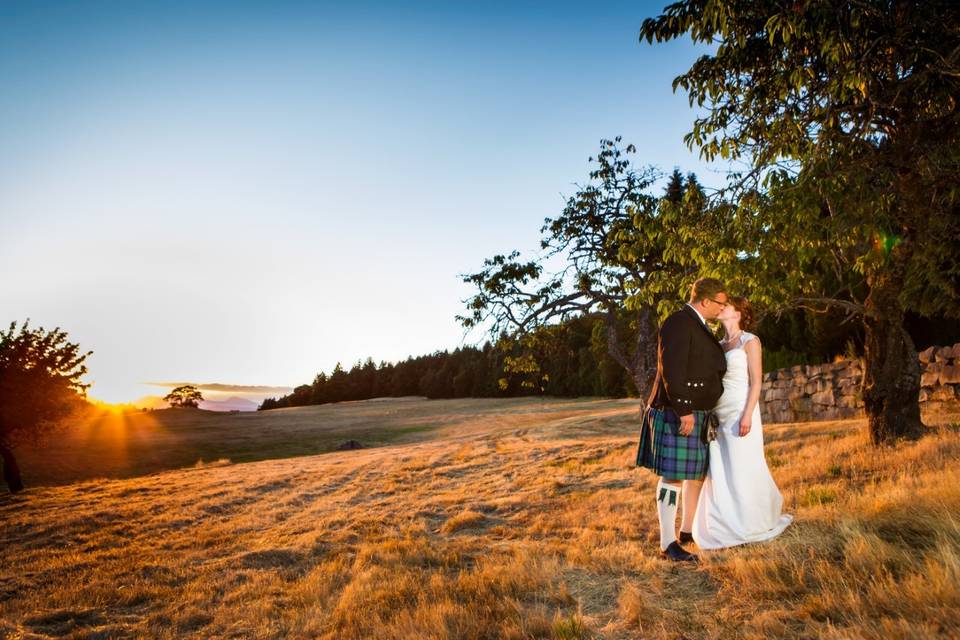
(669, 454)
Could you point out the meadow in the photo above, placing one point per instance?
(108, 444)
(468, 519)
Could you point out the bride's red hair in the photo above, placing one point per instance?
(743, 305)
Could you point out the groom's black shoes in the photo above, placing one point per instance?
(685, 538)
(676, 553)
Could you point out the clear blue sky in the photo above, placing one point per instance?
(247, 193)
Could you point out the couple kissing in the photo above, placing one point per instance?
(701, 431)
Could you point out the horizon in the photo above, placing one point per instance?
(248, 195)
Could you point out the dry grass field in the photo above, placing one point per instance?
(119, 445)
(473, 519)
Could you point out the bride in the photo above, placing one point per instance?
(739, 501)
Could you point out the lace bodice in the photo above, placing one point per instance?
(736, 383)
(745, 337)
(737, 362)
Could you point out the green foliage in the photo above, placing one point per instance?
(782, 358)
(675, 187)
(40, 381)
(845, 117)
(527, 367)
(810, 337)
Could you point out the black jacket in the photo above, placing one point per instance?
(690, 365)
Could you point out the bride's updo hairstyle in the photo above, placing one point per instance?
(743, 305)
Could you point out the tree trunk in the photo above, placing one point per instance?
(11, 470)
(641, 365)
(646, 352)
(891, 378)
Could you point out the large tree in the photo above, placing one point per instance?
(40, 388)
(844, 119)
(605, 247)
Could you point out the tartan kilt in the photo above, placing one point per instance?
(669, 454)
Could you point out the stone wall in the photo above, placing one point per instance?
(832, 391)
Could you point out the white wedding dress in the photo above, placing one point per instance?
(739, 501)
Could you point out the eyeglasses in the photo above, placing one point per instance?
(721, 303)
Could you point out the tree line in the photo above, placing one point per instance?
(572, 359)
(569, 360)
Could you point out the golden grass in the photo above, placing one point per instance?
(111, 444)
(512, 530)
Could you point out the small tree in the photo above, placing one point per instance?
(184, 396)
(40, 388)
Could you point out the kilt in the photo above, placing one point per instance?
(671, 455)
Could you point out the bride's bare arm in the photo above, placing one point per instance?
(755, 375)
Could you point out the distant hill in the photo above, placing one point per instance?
(230, 404)
(234, 403)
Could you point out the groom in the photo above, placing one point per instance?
(690, 368)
